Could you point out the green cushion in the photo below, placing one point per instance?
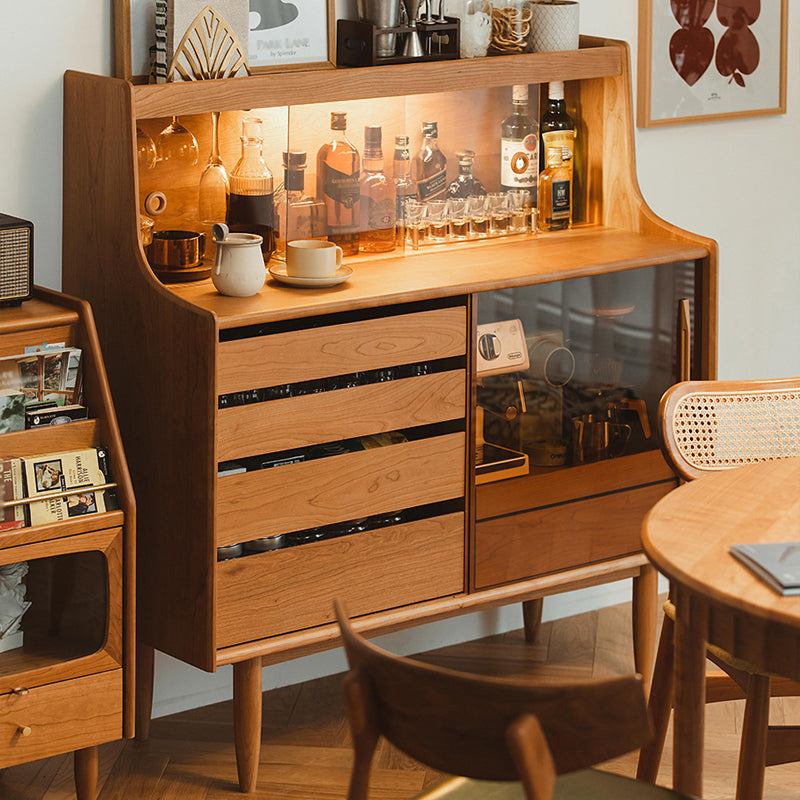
(587, 784)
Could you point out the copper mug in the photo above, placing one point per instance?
(595, 438)
(175, 250)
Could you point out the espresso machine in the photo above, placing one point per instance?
(502, 356)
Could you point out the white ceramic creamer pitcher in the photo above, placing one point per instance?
(239, 266)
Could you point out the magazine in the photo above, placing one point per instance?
(776, 563)
(12, 487)
(49, 374)
(60, 472)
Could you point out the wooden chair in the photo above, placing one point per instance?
(715, 425)
(507, 739)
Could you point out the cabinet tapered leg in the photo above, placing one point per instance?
(247, 720)
(645, 621)
(532, 617)
(145, 666)
(86, 773)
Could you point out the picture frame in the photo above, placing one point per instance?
(698, 69)
(302, 39)
(134, 24)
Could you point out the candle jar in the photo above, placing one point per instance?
(511, 27)
(475, 17)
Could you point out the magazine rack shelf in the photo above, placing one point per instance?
(69, 685)
(401, 533)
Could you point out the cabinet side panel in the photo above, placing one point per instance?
(159, 359)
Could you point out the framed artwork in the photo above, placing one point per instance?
(296, 34)
(284, 34)
(703, 60)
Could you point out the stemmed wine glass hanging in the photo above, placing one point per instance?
(176, 143)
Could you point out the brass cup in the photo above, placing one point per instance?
(176, 249)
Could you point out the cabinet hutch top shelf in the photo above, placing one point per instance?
(594, 60)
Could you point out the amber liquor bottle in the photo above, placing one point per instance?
(338, 178)
(251, 208)
(429, 167)
(557, 128)
(555, 193)
(378, 198)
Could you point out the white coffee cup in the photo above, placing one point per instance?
(312, 258)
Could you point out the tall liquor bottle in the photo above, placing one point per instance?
(338, 176)
(378, 198)
(404, 186)
(299, 216)
(519, 145)
(557, 128)
(555, 193)
(465, 184)
(429, 167)
(251, 208)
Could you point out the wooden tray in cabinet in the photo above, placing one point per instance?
(341, 349)
(286, 590)
(562, 536)
(59, 717)
(348, 486)
(296, 422)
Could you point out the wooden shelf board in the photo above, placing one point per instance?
(448, 270)
(33, 314)
(320, 86)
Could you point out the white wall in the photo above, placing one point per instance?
(735, 181)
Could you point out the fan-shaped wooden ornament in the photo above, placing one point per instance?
(208, 49)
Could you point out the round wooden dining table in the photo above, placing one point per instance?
(687, 535)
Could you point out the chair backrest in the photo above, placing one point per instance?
(715, 425)
(465, 724)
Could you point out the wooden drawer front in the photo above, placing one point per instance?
(551, 539)
(340, 349)
(335, 489)
(331, 416)
(61, 716)
(272, 593)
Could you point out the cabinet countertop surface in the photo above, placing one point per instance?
(443, 271)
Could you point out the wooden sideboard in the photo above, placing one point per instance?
(407, 536)
(69, 686)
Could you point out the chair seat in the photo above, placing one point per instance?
(584, 784)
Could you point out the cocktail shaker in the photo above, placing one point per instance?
(382, 14)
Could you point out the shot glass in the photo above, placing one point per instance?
(457, 219)
(500, 219)
(416, 224)
(437, 220)
(520, 204)
(478, 210)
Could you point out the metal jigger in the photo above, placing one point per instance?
(413, 46)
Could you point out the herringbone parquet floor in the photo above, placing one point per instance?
(305, 752)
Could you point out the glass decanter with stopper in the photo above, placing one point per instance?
(251, 206)
(338, 179)
(404, 186)
(465, 184)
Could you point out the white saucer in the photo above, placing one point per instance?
(340, 276)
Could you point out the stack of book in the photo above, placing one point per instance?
(67, 484)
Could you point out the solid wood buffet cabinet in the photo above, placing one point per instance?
(69, 686)
(402, 533)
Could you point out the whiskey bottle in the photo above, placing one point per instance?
(338, 176)
(299, 216)
(404, 186)
(251, 207)
(429, 167)
(465, 184)
(519, 145)
(555, 193)
(378, 198)
(557, 128)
